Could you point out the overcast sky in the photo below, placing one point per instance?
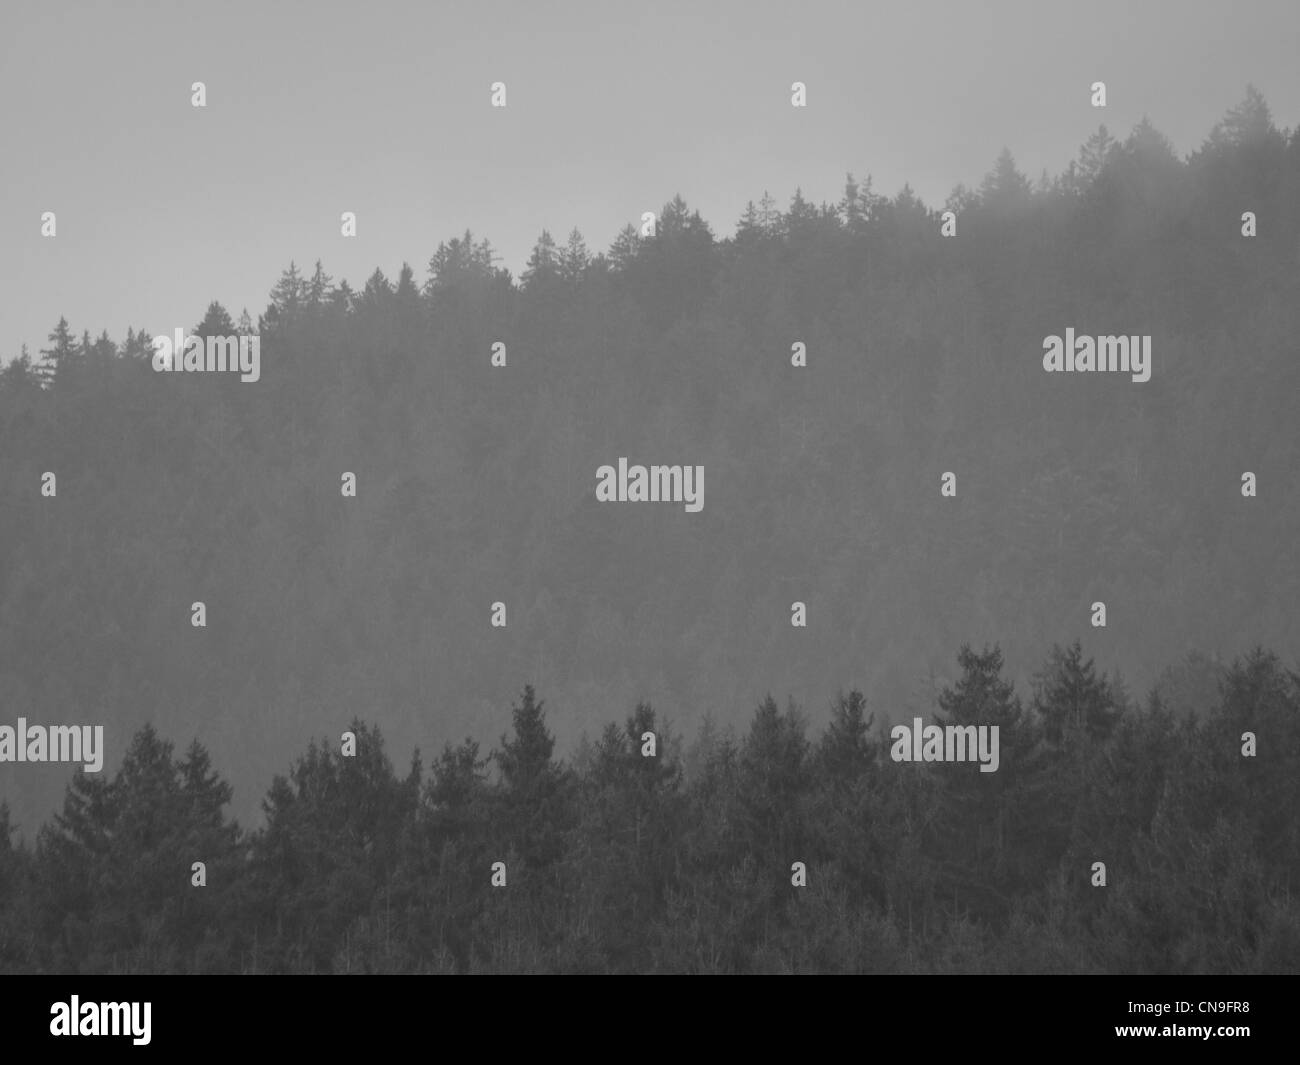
(383, 109)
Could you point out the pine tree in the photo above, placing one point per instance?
(1094, 155)
(575, 259)
(320, 288)
(747, 228)
(1250, 122)
(19, 376)
(290, 291)
(216, 323)
(457, 777)
(535, 813)
(60, 356)
(482, 257)
(1072, 700)
(801, 214)
(525, 759)
(773, 775)
(846, 750)
(623, 252)
(377, 295)
(406, 296)
(1004, 186)
(543, 263)
(985, 814)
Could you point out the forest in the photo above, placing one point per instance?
(476, 483)
(680, 861)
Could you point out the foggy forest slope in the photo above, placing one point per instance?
(476, 483)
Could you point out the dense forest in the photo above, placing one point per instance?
(475, 484)
(682, 861)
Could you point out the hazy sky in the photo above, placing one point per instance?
(383, 109)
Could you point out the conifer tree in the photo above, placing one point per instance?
(61, 356)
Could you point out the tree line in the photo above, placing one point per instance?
(680, 861)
